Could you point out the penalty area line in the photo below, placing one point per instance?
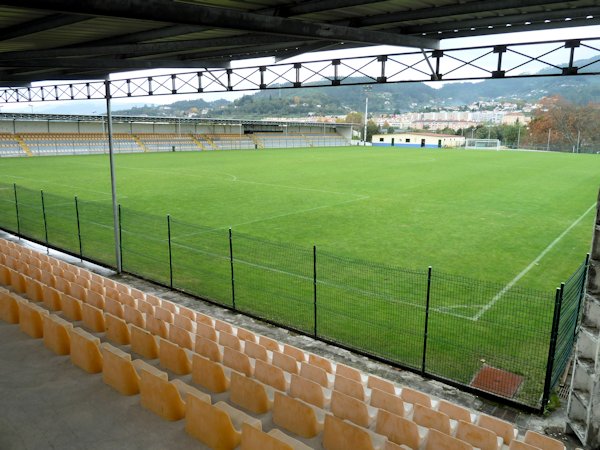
(526, 270)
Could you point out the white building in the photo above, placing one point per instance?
(422, 140)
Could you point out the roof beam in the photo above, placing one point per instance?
(183, 13)
(470, 7)
(514, 19)
(110, 64)
(149, 48)
(313, 6)
(39, 25)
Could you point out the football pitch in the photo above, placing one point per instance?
(379, 217)
(482, 214)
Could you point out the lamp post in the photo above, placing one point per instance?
(367, 89)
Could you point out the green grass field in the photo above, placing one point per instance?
(508, 218)
(486, 215)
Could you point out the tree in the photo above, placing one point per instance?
(355, 117)
(565, 125)
(372, 128)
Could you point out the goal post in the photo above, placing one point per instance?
(483, 144)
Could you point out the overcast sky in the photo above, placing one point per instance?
(99, 106)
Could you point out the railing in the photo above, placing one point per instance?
(511, 344)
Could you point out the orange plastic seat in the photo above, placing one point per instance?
(85, 351)
(71, 307)
(117, 330)
(381, 384)
(57, 334)
(349, 387)
(206, 331)
(184, 322)
(271, 375)
(218, 426)
(93, 318)
(173, 357)
(505, 430)
(297, 416)
(339, 434)
(114, 307)
(352, 409)
(209, 374)
(285, 362)
(543, 442)
(315, 374)
(9, 307)
(223, 326)
(455, 412)
(294, 352)
(237, 361)
(134, 316)
(389, 402)
(269, 344)
(428, 418)
(118, 371)
(477, 436)
(208, 348)
(157, 327)
(437, 440)
(255, 439)
(250, 394)
(51, 298)
(398, 429)
(229, 340)
(415, 397)
(348, 372)
(256, 351)
(321, 362)
(181, 337)
(30, 318)
(143, 342)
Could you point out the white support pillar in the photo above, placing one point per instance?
(583, 408)
(113, 179)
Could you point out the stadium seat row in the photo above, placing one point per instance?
(306, 394)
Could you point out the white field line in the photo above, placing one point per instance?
(524, 272)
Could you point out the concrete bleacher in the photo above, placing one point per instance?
(229, 386)
(47, 144)
(10, 147)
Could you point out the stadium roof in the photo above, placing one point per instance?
(88, 39)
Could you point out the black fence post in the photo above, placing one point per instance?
(231, 264)
(45, 222)
(120, 237)
(586, 266)
(315, 290)
(425, 334)
(552, 346)
(17, 209)
(170, 253)
(78, 229)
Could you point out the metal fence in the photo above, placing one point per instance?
(508, 343)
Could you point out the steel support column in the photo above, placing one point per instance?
(113, 178)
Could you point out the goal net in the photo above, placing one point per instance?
(483, 144)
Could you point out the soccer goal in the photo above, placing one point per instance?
(483, 144)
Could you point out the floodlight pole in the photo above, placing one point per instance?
(367, 89)
(113, 180)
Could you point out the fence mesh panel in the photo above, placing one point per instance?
(569, 317)
(61, 220)
(145, 245)
(370, 307)
(8, 213)
(31, 219)
(489, 335)
(493, 337)
(97, 232)
(201, 261)
(274, 281)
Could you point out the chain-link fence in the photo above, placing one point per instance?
(501, 340)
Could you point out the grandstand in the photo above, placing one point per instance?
(227, 384)
(46, 135)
